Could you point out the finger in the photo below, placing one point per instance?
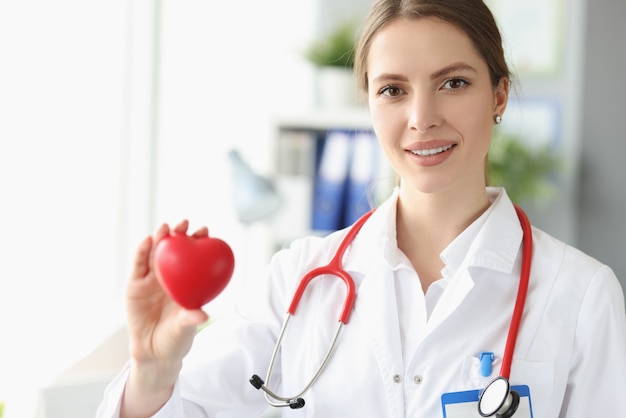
(201, 232)
(182, 227)
(192, 318)
(161, 232)
(141, 264)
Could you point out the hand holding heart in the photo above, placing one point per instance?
(173, 275)
(193, 270)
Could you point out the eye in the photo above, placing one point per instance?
(390, 91)
(455, 84)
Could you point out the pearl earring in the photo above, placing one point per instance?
(497, 119)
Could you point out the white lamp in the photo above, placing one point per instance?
(255, 197)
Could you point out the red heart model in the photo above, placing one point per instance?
(193, 271)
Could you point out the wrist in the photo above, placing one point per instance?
(149, 386)
(154, 376)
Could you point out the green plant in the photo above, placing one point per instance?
(526, 172)
(335, 48)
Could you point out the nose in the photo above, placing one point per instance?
(423, 113)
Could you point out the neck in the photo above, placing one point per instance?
(428, 222)
(442, 213)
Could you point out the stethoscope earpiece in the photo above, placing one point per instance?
(498, 400)
(256, 381)
(296, 403)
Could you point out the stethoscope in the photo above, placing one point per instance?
(497, 399)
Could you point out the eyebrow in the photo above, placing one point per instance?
(452, 68)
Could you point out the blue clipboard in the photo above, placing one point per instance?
(465, 404)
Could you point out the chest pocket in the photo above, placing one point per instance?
(539, 376)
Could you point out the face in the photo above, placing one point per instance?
(432, 105)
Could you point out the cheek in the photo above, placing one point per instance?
(477, 138)
(389, 118)
(473, 120)
(387, 125)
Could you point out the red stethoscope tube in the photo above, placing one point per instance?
(516, 319)
(334, 268)
(498, 399)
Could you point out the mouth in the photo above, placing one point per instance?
(431, 151)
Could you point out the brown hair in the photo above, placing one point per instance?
(471, 16)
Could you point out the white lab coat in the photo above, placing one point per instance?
(571, 348)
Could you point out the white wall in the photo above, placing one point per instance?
(61, 101)
(226, 68)
(102, 137)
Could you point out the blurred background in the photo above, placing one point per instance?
(116, 116)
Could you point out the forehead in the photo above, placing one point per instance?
(423, 44)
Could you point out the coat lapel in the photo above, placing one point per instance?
(377, 312)
(456, 291)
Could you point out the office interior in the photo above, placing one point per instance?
(118, 116)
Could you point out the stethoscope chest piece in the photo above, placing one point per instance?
(498, 399)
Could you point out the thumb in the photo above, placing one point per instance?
(192, 318)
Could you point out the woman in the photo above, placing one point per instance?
(436, 268)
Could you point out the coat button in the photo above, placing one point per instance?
(397, 378)
(417, 379)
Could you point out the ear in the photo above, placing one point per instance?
(501, 96)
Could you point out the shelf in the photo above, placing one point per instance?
(324, 119)
(298, 141)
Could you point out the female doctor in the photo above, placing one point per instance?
(436, 270)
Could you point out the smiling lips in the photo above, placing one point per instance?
(430, 153)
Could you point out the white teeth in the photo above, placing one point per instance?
(432, 151)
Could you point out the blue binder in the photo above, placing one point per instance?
(363, 167)
(330, 181)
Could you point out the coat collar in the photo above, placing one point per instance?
(496, 246)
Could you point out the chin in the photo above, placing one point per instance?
(424, 187)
